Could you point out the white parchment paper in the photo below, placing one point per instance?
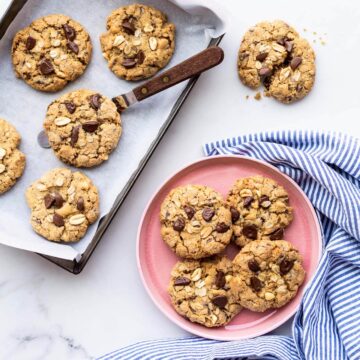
(25, 108)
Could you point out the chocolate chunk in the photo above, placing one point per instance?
(288, 45)
(278, 234)
(250, 231)
(46, 67)
(69, 31)
(58, 220)
(286, 266)
(295, 62)
(181, 281)
(208, 214)
(264, 72)
(299, 87)
(128, 25)
(74, 135)
(30, 43)
(140, 57)
(190, 212)
(73, 47)
(128, 63)
(235, 215)
(255, 283)
(220, 280)
(222, 228)
(90, 126)
(95, 101)
(261, 56)
(247, 201)
(70, 106)
(264, 201)
(80, 205)
(253, 265)
(49, 201)
(220, 301)
(179, 224)
(281, 41)
(58, 200)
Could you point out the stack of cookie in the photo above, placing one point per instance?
(197, 224)
(83, 127)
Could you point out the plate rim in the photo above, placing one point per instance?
(186, 326)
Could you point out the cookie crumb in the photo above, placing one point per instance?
(305, 30)
(323, 43)
(247, 97)
(257, 96)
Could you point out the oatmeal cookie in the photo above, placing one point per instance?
(139, 41)
(259, 209)
(201, 291)
(195, 222)
(267, 274)
(63, 204)
(50, 52)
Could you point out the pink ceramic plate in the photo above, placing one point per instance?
(155, 259)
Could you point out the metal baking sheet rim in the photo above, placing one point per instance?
(74, 266)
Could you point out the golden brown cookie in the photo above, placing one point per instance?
(273, 53)
(259, 209)
(267, 274)
(195, 222)
(12, 160)
(63, 204)
(50, 52)
(83, 127)
(139, 41)
(201, 291)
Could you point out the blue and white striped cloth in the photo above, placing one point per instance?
(327, 325)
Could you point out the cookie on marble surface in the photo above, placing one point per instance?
(201, 291)
(63, 204)
(259, 209)
(12, 160)
(83, 128)
(272, 53)
(139, 41)
(51, 52)
(267, 274)
(195, 222)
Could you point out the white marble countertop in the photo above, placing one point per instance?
(47, 313)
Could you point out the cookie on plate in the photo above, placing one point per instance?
(12, 160)
(267, 274)
(50, 52)
(201, 291)
(139, 41)
(63, 204)
(83, 128)
(272, 53)
(259, 209)
(195, 222)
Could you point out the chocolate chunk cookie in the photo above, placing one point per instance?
(51, 52)
(195, 222)
(83, 128)
(139, 41)
(259, 209)
(63, 204)
(201, 291)
(272, 53)
(12, 160)
(267, 274)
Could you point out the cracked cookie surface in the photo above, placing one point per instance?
(12, 160)
(50, 52)
(139, 41)
(83, 128)
(267, 274)
(195, 222)
(63, 204)
(272, 53)
(259, 209)
(201, 291)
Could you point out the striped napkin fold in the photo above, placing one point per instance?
(327, 325)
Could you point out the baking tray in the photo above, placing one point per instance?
(75, 266)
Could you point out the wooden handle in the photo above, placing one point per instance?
(195, 65)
